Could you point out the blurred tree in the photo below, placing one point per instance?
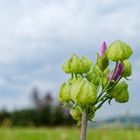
(36, 98)
(46, 112)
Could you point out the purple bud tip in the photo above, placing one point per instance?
(117, 73)
(103, 49)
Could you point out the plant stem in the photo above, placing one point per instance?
(114, 85)
(108, 83)
(100, 105)
(84, 126)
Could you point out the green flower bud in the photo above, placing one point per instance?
(123, 97)
(102, 62)
(73, 65)
(127, 71)
(94, 76)
(76, 113)
(64, 93)
(120, 92)
(87, 63)
(95, 79)
(77, 65)
(119, 51)
(75, 89)
(96, 70)
(83, 92)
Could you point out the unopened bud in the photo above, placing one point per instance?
(64, 93)
(117, 72)
(119, 51)
(76, 113)
(120, 92)
(83, 92)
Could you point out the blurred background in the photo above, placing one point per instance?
(37, 36)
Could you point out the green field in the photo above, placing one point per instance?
(66, 134)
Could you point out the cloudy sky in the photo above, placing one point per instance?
(36, 37)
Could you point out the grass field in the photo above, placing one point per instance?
(66, 134)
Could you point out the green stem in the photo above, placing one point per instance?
(72, 75)
(102, 92)
(114, 84)
(110, 89)
(108, 83)
(82, 75)
(103, 101)
(84, 126)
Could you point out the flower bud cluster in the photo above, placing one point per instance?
(90, 85)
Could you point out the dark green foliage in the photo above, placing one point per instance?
(44, 113)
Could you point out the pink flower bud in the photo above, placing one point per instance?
(103, 49)
(117, 73)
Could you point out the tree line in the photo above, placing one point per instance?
(45, 112)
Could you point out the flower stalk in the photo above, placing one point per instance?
(84, 126)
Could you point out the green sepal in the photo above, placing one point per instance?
(73, 65)
(76, 114)
(83, 92)
(119, 51)
(64, 93)
(102, 62)
(94, 76)
(86, 63)
(127, 71)
(120, 92)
